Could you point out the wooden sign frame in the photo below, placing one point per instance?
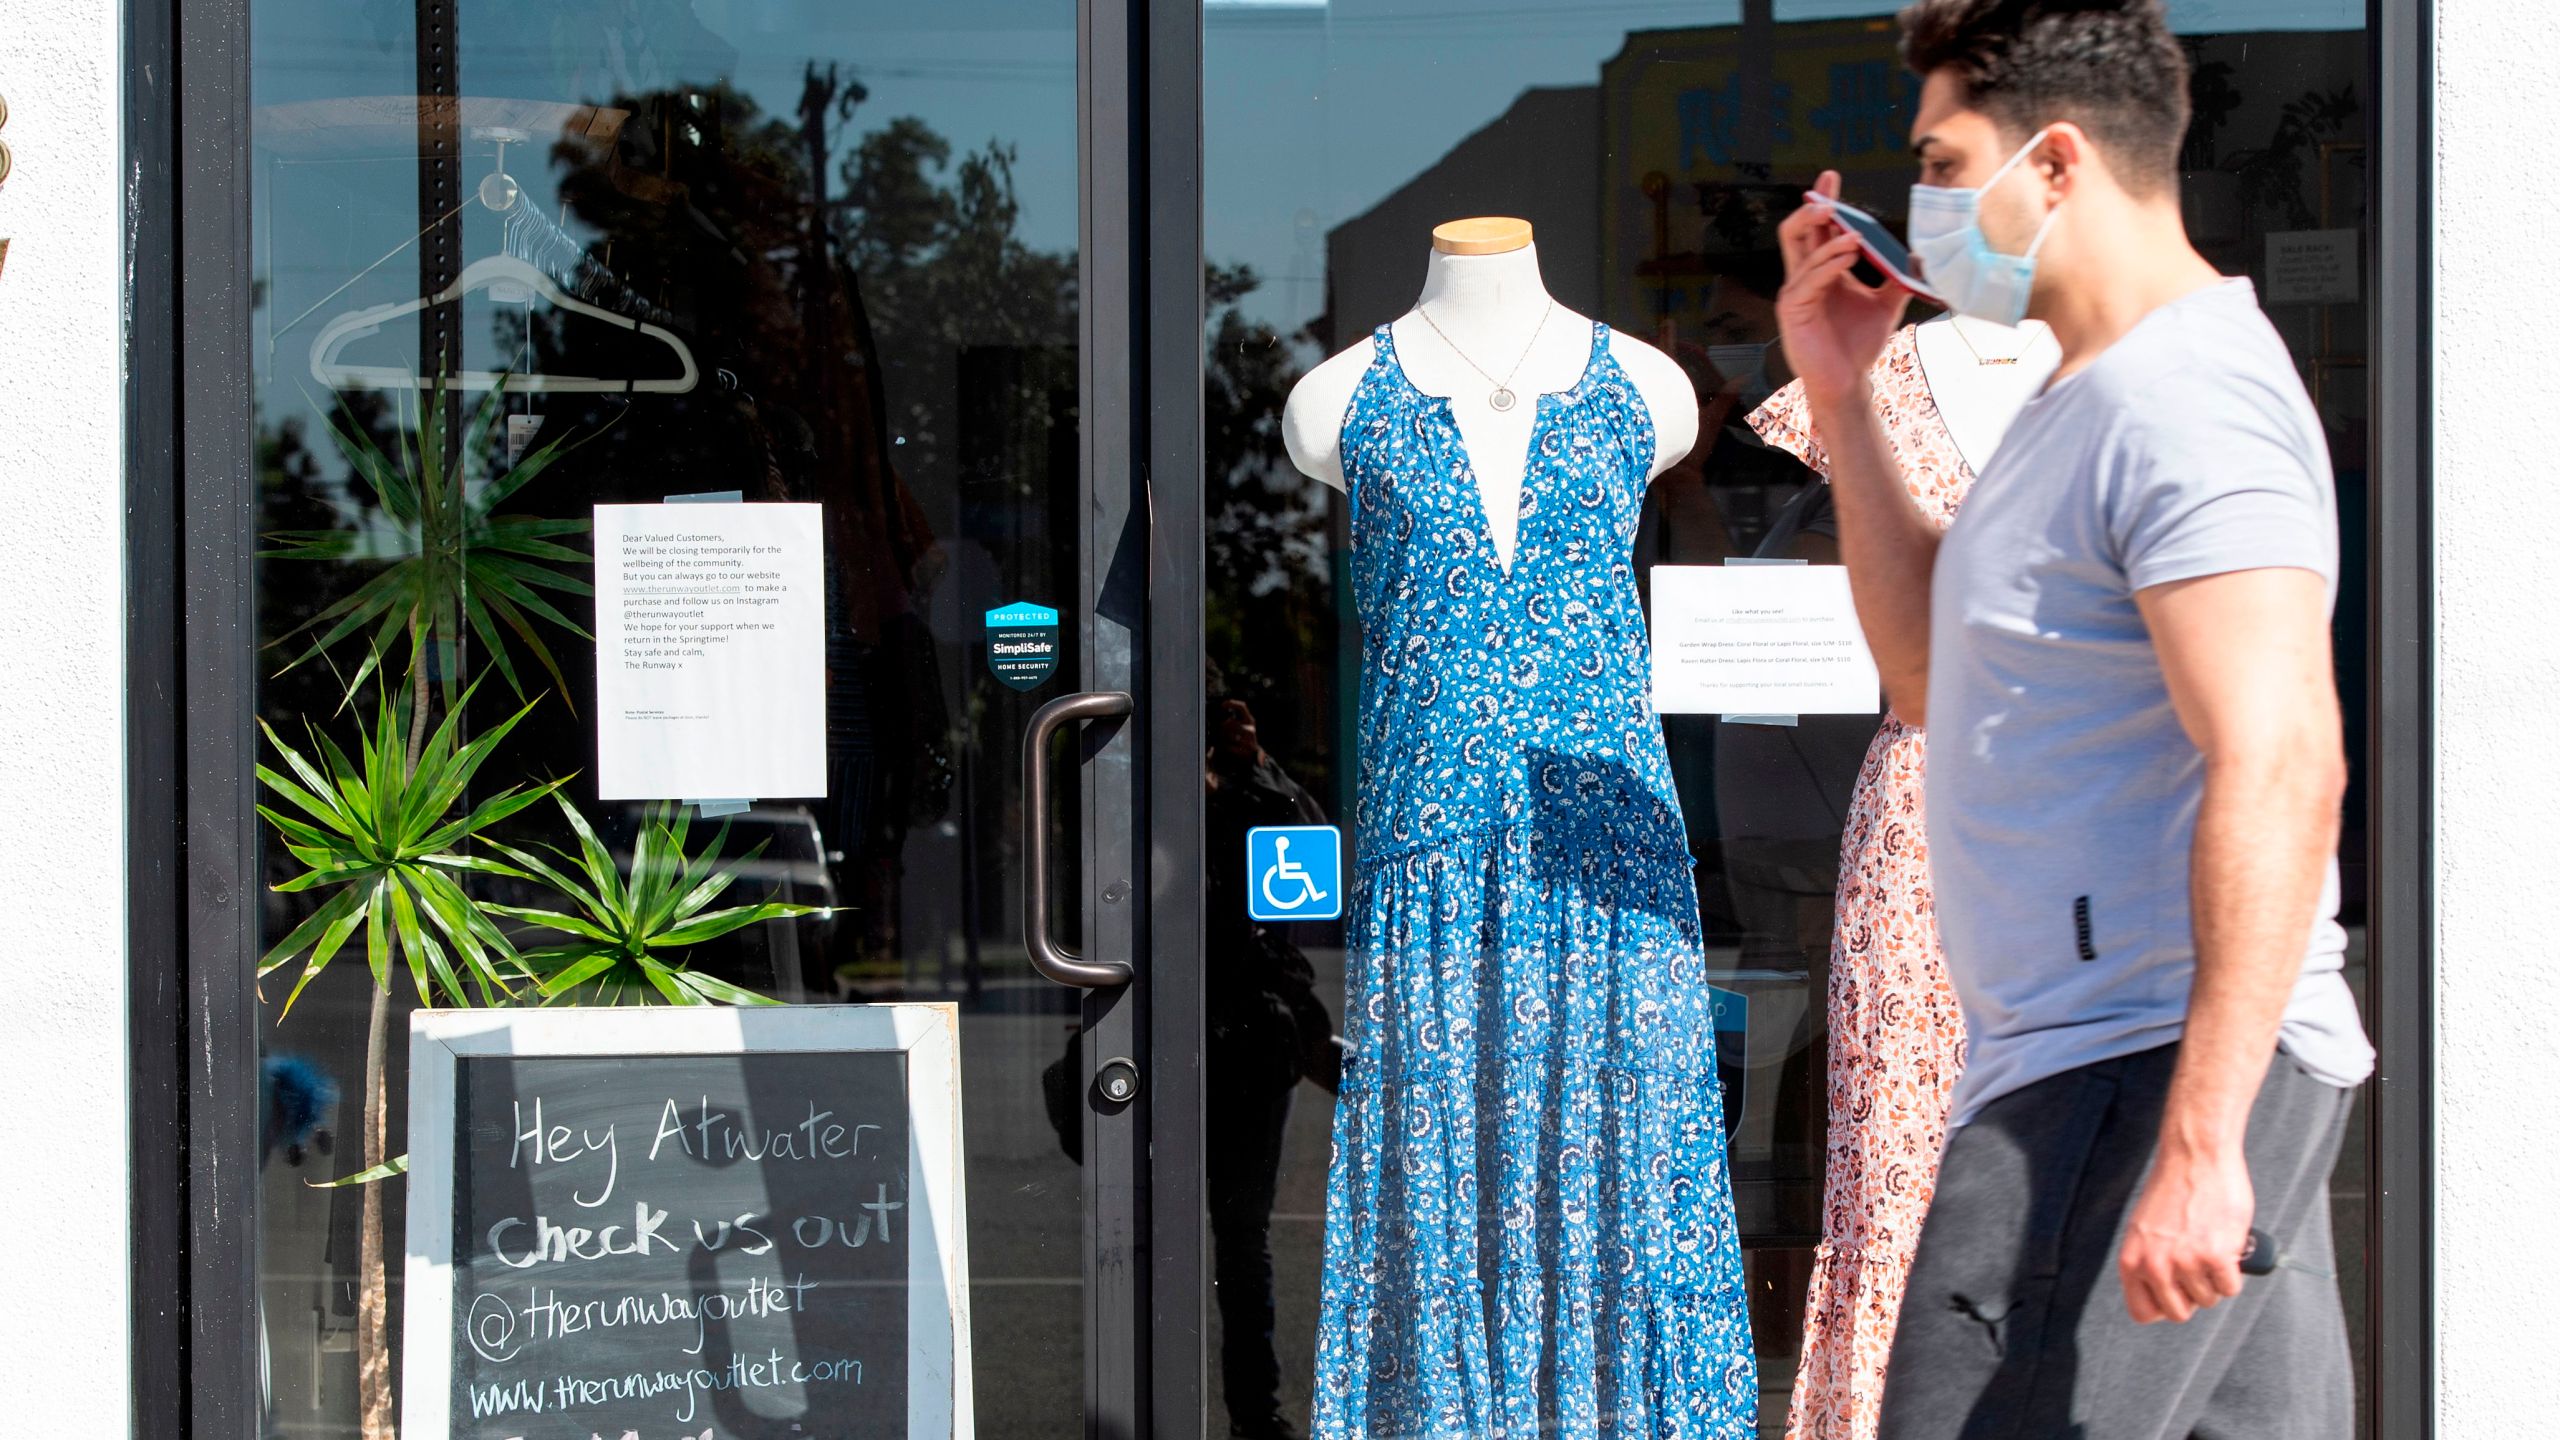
(939, 1394)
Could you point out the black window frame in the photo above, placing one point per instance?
(192, 882)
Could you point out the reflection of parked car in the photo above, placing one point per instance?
(780, 958)
(792, 867)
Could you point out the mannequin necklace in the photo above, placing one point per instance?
(1502, 397)
(1956, 323)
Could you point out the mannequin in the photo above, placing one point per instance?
(1483, 291)
(1981, 374)
(1517, 823)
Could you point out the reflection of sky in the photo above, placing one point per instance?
(2188, 16)
(1315, 111)
(1318, 111)
(976, 71)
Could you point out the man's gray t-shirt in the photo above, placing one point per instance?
(2062, 792)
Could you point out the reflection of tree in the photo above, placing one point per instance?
(306, 488)
(1266, 529)
(2213, 97)
(943, 267)
(944, 258)
(1270, 602)
(713, 209)
(892, 348)
(2272, 180)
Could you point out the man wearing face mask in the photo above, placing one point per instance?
(2120, 649)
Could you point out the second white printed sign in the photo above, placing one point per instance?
(1759, 640)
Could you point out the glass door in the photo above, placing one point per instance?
(515, 259)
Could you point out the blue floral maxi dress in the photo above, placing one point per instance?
(1528, 1225)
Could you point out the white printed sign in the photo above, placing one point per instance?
(710, 652)
(2313, 267)
(1759, 640)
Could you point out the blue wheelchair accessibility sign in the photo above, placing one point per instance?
(1293, 872)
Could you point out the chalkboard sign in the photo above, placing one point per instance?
(695, 1224)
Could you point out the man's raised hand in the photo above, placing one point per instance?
(1833, 324)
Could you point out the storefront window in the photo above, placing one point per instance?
(515, 261)
(1654, 148)
(511, 262)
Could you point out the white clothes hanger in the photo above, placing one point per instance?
(511, 277)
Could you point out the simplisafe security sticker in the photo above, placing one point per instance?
(1293, 872)
(1022, 644)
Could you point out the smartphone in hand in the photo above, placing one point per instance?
(1878, 244)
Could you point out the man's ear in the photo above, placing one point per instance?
(2065, 149)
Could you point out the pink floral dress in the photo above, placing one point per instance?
(1897, 1036)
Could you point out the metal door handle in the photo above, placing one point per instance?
(1047, 955)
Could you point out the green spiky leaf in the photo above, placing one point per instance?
(624, 921)
(453, 568)
(377, 833)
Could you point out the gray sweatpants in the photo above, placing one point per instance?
(2014, 1326)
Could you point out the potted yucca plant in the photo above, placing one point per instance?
(392, 830)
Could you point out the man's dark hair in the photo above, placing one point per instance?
(2109, 66)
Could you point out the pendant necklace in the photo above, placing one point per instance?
(1502, 397)
(1956, 323)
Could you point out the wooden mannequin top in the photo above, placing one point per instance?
(1481, 235)
(1977, 396)
(1495, 311)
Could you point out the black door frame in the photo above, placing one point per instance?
(192, 846)
(1139, 278)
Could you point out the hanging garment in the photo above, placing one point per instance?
(1528, 1225)
(1897, 1034)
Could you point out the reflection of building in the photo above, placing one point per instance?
(1657, 197)
(1669, 105)
(1685, 202)
(1688, 212)
(1533, 160)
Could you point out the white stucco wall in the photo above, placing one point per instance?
(2497, 516)
(63, 1337)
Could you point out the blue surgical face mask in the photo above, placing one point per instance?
(1956, 257)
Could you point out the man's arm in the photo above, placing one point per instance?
(2246, 659)
(1834, 327)
(1888, 545)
